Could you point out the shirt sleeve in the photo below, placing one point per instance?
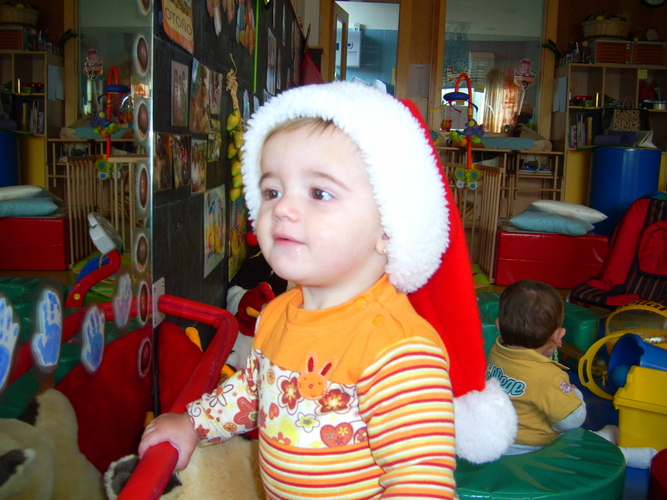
(230, 409)
(556, 397)
(573, 421)
(405, 398)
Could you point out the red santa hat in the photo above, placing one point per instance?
(427, 251)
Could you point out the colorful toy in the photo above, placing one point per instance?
(110, 245)
(472, 133)
(524, 75)
(635, 335)
(106, 124)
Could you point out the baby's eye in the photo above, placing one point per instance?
(270, 194)
(320, 194)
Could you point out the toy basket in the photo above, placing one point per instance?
(606, 28)
(18, 16)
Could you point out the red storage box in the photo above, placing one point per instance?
(560, 260)
(34, 243)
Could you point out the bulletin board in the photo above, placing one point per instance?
(227, 55)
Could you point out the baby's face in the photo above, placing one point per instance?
(319, 224)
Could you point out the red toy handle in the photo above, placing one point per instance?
(464, 76)
(156, 466)
(83, 286)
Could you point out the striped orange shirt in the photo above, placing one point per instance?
(352, 402)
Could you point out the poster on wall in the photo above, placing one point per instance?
(162, 163)
(214, 228)
(216, 91)
(181, 159)
(198, 165)
(271, 64)
(180, 83)
(177, 22)
(237, 230)
(214, 141)
(200, 100)
(245, 25)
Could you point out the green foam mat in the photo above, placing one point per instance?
(578, 465)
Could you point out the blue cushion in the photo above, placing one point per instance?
(30, 207)
(551, 223)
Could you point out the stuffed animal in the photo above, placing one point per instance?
(223, 471)
(40, 457)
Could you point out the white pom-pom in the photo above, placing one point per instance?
(486, 423)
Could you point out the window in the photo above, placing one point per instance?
(497, 43)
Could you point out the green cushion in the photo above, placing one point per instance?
(581, 324)
(578, 465)
(488, 303)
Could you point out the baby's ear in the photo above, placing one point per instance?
(558, 335)
(381, 245)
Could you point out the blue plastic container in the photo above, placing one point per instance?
(9, 159)
(618, 177)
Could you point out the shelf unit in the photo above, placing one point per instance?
(58, 150)
(622, 83)
(22, 70)
(518, 188)
(504, 190)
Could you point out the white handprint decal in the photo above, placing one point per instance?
(46, 339)
(122, 300)
(9, 332)
(93, 339)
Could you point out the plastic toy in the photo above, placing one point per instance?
(106, 124)
(472, 133)
(110, 245)
(632, 334)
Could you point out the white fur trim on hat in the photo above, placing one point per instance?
(400, 161)
(486, 423)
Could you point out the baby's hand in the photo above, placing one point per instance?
(174, 428)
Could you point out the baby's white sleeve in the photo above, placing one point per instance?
(573, 420)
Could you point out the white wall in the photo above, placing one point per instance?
(372, 15)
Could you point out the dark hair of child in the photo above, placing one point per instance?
(530, 312)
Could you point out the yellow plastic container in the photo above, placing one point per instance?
(642, 408)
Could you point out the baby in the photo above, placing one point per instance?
(347, 382)
(530, 324)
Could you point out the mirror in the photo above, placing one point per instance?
(114, 126)
(498, 44)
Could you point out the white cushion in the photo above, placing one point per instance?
(19, 192)
(568, 209)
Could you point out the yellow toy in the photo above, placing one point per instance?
(644, 318)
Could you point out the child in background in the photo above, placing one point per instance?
(352, 390)
(530, 324)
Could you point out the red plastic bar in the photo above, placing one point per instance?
(156, 466)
